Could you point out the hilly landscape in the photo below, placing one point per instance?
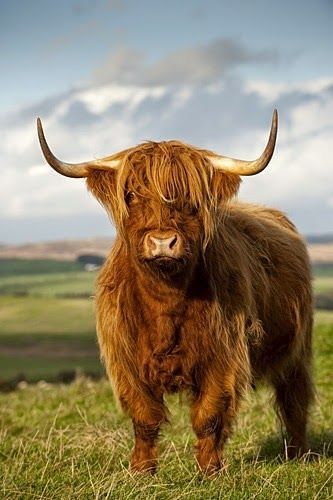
(320, 249)
(67, 250)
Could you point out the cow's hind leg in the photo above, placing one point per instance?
(294, 394)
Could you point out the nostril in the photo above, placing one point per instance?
(151, 242)
(173, 242)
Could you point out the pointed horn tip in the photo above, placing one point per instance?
(274, 129)
(275, 115)
(40, 128)
(75, 170)
(241, 167)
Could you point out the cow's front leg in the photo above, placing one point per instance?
(147, 412)
(144, 455)
(208, 445)
(212, 415)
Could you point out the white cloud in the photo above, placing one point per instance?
(271, 91)
(98, 100)
(311, 117)
(36, 170)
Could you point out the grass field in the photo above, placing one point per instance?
(47, 321)
(69, 442)
(60, 284)
(24, 267)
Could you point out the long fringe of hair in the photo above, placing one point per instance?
(170, 172)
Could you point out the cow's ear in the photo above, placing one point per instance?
(102, 184)
(224, 185)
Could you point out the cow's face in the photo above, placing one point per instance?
(164, 237)
(165, 204)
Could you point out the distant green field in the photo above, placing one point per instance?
(323, 279)
(42, 336)
(18, 267)
(324, 270)
(47, 322)
(49, 285)
(35, 368)
(323, 284)
(62, 278)
(46, 315)
(323, 318)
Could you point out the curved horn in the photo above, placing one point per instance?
(71, 169)
(242, 167)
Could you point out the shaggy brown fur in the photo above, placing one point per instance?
(233, 308)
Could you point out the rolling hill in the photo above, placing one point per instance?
(320, 249)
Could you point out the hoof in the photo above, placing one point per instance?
(143, 463)
(146, 467)
(210, 465)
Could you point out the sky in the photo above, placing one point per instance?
(107, 74)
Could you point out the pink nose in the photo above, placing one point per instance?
(167, 247)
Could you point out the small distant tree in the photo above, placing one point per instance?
(96, 260)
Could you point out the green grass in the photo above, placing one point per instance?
(44, 315)
(323, 270)
(46, 327)
(49, 285)
(323, 279)
(42, 336)
(323, 285)
(72, 442)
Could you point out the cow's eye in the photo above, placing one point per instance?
(190, 210)
(130, 197)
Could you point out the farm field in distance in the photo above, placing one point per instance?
(47, 323)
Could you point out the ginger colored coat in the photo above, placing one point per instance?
(233, 304)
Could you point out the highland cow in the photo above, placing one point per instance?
(200, 293)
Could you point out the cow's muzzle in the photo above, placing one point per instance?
(164, 252)
(163, 245)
